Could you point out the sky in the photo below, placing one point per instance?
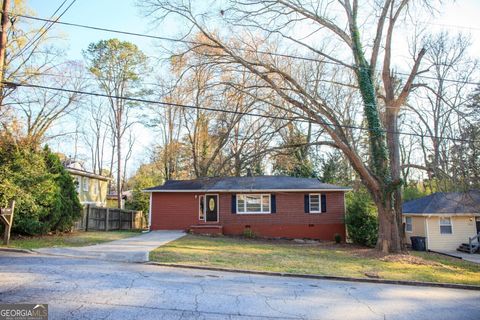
(456, 16)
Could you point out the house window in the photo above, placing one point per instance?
(253, 203)
(79, 183)
(408, 224)
(85, 184)
(445, 226)
(201, 208)
(315, 203)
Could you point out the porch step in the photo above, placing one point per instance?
(206, 229)
(464, 247)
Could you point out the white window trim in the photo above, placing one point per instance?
(200, 197)
(406, 224)
(440, 225)
(261, 203)
(150, 213)
(319, 203)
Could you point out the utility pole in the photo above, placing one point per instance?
(3, 37)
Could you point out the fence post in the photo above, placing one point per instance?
(7, 222)
(83, 223)
(106, 218)
(88, 217)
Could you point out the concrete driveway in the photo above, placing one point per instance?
(474, 257)
(133, 249)
(93, 289)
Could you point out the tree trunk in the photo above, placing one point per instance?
(119, 170)
(393, 143)
(388, 229)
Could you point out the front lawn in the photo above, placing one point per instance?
(321, 258)
(74, 239)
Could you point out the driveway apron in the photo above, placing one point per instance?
(133, 249)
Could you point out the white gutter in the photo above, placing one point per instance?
(440, 214)
(249, 190)
(427, 236)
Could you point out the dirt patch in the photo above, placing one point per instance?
(45, 236)
(406, 258)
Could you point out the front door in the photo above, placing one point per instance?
(478, 224)
(211, 210)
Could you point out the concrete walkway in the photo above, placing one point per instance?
(133, 249)
(474, 257)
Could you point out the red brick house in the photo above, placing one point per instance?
(270, 206)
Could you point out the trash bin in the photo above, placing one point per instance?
(419, 243)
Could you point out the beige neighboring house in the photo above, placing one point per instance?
(92, 188)
(445, 219)
(112, 201)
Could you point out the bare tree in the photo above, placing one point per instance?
(256, 25)
(439, 109)
(118, 67)
(96, 133)
(41, 109)
(28, 57)
(128, 154)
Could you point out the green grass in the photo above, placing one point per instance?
(321, 259)
(74, 239)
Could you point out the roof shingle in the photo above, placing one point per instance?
(445, 202)
(255, 183)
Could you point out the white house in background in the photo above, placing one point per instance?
(446, 219)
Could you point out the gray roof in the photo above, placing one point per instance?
(445, 202)
(255, 183)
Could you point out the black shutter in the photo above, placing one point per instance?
(324, 203)
(234, 203)
(273, 203)
(306, 203)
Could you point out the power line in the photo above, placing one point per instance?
(451, 26)
(45, 24)
(52, 22)
(93, 79)
(141, 100)
(199, 43)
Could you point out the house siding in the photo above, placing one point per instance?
(90, 196)
(463, 227)
(180, 211)
(418, 229)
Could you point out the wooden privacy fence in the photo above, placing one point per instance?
(105, 219)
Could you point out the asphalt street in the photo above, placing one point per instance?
(80, 288)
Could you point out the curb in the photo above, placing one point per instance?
(321, 277)
(80, 257)
(18, 250)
